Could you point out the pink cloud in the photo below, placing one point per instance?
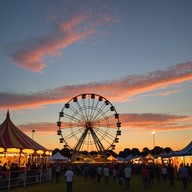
(165, 93)
(30, 54)
(32, 58)
(116, 91)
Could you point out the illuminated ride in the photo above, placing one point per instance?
(88, 122)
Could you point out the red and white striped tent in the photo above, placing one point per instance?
(14, 141)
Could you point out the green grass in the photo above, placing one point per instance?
(82, 185)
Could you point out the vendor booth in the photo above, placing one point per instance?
(183, 156)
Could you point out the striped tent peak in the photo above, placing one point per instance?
(13, 137)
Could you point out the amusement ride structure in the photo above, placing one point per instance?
(88, 122)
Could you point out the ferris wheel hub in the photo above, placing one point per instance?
(89, 125)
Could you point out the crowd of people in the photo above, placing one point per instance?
(122, 173)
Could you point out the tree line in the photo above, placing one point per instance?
(125, 153)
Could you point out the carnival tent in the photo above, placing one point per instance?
(101, 159)
(111, 158)
(58, 157)
(130, 157)
(120, 158)
(187, 151)
(147, 159)
(12, 139)
(166, 155)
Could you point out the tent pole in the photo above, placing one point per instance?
(20, 159)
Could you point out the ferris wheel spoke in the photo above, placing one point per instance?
(72, 125)
(97, 141)
(101, 133)
(103, 118)
(93, 111)
(80, 110)
(100, 113)
(103, 138)
(104, 133)
(104, 115)
(76, 111)
(93, 106)
(89, 141)
(85, 107)
(97, 112)
(73, 134)
(76, 125)
(72, 117)
(107, 139)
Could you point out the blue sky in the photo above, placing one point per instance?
(137, 54)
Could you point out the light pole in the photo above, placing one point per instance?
(33, 131)
(153, 133)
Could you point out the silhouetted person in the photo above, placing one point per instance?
(164, 173)
(57, 172)
(127, 176)
(183, 173)
(157, 173)
(106, 174)
(144, 176)
(121, 176)
(151, 174)
(99, 172)
(69, 177)
(170, 173)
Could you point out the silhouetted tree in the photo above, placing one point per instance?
(84, 152)
(156, 150)
(145, 151)
(120, 154)
(126, 152)
(55, 151)
(135, 151)
(65, 152)
(167, 149)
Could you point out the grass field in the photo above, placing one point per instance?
(82, 185)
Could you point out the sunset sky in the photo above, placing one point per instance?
(135, 53)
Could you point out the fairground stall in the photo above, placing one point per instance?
(183, 156)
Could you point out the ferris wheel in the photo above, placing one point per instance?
(89, 122)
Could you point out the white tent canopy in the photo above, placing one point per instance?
(58, 157)
(111, 158)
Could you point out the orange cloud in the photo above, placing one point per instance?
(144, 122)
(157, 122)
(39, 127)
(116, 90)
